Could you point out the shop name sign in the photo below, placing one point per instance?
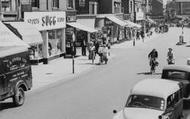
(46, 20)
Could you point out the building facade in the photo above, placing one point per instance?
(156, 11)
(110, 6)
(182, 7)
(10, 10)
(128, 9)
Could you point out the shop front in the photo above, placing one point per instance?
(51, 26)
(113, 28)
(77, 34)
(30, 35)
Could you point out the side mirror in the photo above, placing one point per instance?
(114, 111)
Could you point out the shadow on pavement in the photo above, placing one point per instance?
(6, 105)
(149, 73)
(70, 56)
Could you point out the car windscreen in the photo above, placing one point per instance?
(173, 74)
(145, 101)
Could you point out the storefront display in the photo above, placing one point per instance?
(54, 43)
(70, 41)
(52, 28)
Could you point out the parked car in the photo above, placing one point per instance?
(178, 73)
(15, 74)
(153, 99)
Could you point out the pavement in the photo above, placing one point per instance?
(60, 69)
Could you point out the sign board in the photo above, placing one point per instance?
(139, 15)
(46, 20)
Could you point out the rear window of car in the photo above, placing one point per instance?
(172, 74)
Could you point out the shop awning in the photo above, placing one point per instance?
(131, 24)
(116, 20)
(29, 33)
(9, 39)
(82, 27)
(151, 21)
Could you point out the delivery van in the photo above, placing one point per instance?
(15, 74)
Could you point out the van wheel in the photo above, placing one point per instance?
(19, 97)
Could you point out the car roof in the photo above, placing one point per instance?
(155, 87)
(177, 67)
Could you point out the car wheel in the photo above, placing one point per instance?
(19, 97)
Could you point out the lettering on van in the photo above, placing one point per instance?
(14, 63)
(18, 75)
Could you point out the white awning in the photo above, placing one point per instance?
(28, 32)
(82, 27)
(151, 21)
(131, 24)
(8, 38)
(116, 20)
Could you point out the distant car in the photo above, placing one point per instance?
(153, 99)
(178, 73)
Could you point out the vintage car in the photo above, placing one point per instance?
(15, 74)
(153, 99)
(179, 73)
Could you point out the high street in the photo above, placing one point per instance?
(94, 94)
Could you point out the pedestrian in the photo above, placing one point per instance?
(153, 55)
(97, 45)
(91, 49)
(170, 56)
(83, 45)
(142, 35)
(137, 35)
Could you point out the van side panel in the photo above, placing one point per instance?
(16, 68)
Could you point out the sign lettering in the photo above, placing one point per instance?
(46, 20)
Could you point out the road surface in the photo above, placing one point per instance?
(95, 94)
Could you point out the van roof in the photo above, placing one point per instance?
(155, 87)
(177, 67)
(6, 51)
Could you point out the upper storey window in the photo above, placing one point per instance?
(35, 3)
(82, 3)
(55, 3)
(8, 5)
(70, 4)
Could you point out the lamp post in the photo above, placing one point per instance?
(73, 51)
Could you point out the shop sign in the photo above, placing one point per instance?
(107, 22)
(140, 15)
(71, 16)
(46, 20)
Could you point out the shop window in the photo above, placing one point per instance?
(35, 52)
(54, 43)
(35, 3)
(8, 5)
(55, 3)
(92, 7)
(70, 4)
(82, 3)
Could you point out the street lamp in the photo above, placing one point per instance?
(73, 51)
